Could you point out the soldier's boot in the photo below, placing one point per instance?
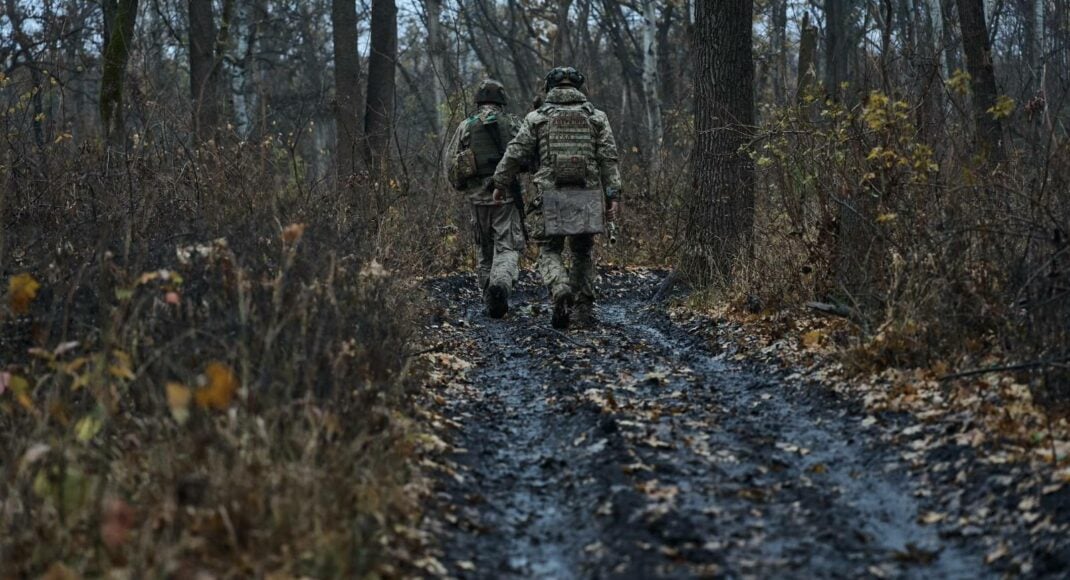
(562, 310)
(583, 315)
(497, 300)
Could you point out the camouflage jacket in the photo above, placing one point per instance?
(475, 190)
(528, 148)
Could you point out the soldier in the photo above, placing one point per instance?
(574, 156)
(473, 154)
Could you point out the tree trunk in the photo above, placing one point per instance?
(982, 78)
(346, 85)
(666, 53)
(948, 17)
(560, 52)
(722, 196)
(119, 17)
(655, 133)
(440, 61)
(379, 108)
(202, 68)
(837, 49)
(778, 37)
(807, 72)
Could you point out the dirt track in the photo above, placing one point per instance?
(634, 450)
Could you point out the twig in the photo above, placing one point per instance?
(1001, 368)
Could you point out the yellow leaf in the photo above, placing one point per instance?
(87, 428)
(20, 387)
(813, 338)
(22, 290)
(122, 368)
(1003, 108)
(887, 217)
(219, 389)
(178, 398)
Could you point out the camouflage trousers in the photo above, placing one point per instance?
(558, 278)
(499, 241)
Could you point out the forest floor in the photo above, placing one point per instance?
(648, 447)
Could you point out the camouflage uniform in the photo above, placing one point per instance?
(497, 228)
(602, 172)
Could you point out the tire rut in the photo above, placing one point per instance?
(632, 450)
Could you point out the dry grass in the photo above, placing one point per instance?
(212, 374)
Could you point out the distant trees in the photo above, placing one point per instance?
(721, 204)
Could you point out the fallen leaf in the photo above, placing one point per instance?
(930, 518)
(1000, 551)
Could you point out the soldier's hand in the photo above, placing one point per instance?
(611, 209)
(499, 195)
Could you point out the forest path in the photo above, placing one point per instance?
(632, 450)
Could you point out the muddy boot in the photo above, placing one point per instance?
(583, 316)
(562, 311)
(497, 300)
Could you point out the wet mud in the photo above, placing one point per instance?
(636, 450)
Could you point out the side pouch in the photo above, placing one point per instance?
(572, 212)
(466, 167)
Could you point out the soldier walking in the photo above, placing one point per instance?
(472, 156)
(577, 184)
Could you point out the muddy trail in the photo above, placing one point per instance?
(637, 450)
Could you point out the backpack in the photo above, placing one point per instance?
(569, 143)
(486, 145)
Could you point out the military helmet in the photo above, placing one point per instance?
(491, 91)
(564, 75)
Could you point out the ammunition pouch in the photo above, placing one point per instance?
(570, 171)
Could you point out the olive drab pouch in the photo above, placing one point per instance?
(570, 138)
(464, 167)
(571, 212)
(487, 144)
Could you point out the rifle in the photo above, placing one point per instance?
(514, 187)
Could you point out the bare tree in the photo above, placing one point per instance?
(346, 85)
(119, 17)
(379, 108)
(722, 198)
(203, 69)
(976, 45)
(655, 133)
(837, 47)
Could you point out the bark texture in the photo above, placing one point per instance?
(119, 17)
(982, 77)
(203, 75)
(722, 195)
(379, 108)
(346, 85)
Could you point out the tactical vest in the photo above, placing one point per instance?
(567, 143)
(487, 140)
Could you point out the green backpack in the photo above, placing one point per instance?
(487, 140)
